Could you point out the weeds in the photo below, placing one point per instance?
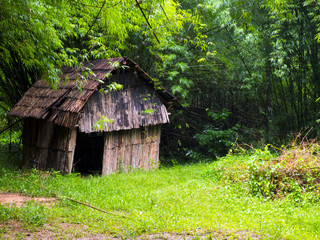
(31, 216)
(294, 174)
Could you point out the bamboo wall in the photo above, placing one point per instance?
(47, 145)
(131, 149)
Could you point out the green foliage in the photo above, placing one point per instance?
(29, 30)
(40, 36)
(294, 174)
(48, 34)
(34, 215)
(217, 138)
(11, 160)
(112, 87)
(5, 214)
(260, 61)
(148, 111)
(102, 123)
(11, 136)
(147, 98)
(31, 216)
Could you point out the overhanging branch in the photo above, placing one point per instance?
(145, 17)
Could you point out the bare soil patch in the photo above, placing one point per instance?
(19, 200)
(13, 230)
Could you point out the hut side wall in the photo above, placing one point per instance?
(129, 149)
(47, 145)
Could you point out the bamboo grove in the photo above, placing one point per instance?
(245, 70)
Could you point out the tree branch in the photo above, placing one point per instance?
(145, 17)
(95, 19)
(7, 128)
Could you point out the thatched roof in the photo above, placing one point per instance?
(64, 106)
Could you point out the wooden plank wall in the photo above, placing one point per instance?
(131, 149)
(48, 145)
(126, 107)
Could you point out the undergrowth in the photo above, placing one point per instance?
(295, 173)
(273, 196)
(31, 215)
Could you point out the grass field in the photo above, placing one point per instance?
(201, 200)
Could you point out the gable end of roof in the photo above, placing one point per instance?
(64, 105)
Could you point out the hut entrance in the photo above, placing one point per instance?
(88, 153)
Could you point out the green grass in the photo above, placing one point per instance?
(177, 199)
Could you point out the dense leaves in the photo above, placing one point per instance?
(257, 59)
(43, 35)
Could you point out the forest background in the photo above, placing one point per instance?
(245, 71)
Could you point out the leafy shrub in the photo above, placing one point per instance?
(13, 138)
(10, 160)
(217, 137)
(294, 173)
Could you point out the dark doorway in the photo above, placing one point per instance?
(88, 153)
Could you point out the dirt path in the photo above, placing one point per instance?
(18, 199)
(72, 231)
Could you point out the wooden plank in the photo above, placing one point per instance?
(28, 155)
(106, 155)
(44, 133)
(129, 156)
(115, 164)
(42, 156)
(125, 107)
(72, 139)
(71, 149)
(128, 151)
(134, 156)
(136, 148)
(109, 162)
(32, 132)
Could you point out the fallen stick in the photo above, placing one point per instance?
(82, 203)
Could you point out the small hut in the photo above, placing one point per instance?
(60, 126)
